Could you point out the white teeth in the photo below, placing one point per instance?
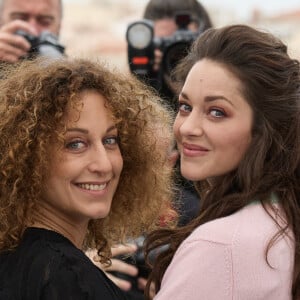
(92, 187)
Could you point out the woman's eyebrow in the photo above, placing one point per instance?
(217, 97)
(207, 98)
(82, 130)
(85, 131)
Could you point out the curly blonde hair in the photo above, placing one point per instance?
(34, 97)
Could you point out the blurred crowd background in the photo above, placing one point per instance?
(97, 28)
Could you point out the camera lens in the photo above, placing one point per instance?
(139, 35)
(173, 55)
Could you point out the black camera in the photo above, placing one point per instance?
(46, 44)
(138, 260)
(142, 44)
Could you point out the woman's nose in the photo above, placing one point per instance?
(192, 125)
(99, 160)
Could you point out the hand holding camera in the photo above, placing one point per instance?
(46, 44)
(18, 39)
(117, 265)
(12, 46)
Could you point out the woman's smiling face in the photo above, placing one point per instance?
(214, 122)
(84, 175)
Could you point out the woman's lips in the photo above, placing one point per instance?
(193, 150)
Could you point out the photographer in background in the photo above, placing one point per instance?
(163, 15)
(30, 16)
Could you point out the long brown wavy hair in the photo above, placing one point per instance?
(34, 97)
(271, 85)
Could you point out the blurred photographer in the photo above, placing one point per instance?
(174, 25)
(27, 22)
(167, 27)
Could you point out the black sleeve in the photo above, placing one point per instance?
(79, 281)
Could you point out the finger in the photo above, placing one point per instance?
(123, 249)
(9, 58)
(119, 266)
(158, 54)
(142, 283)
(157, 59)
(92, 254)
(122, 284)
(7, 49)
(12, 47)
(173, 157)
(15, 25)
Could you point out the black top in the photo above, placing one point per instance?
(48, 266)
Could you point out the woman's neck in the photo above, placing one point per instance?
(75, 233)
